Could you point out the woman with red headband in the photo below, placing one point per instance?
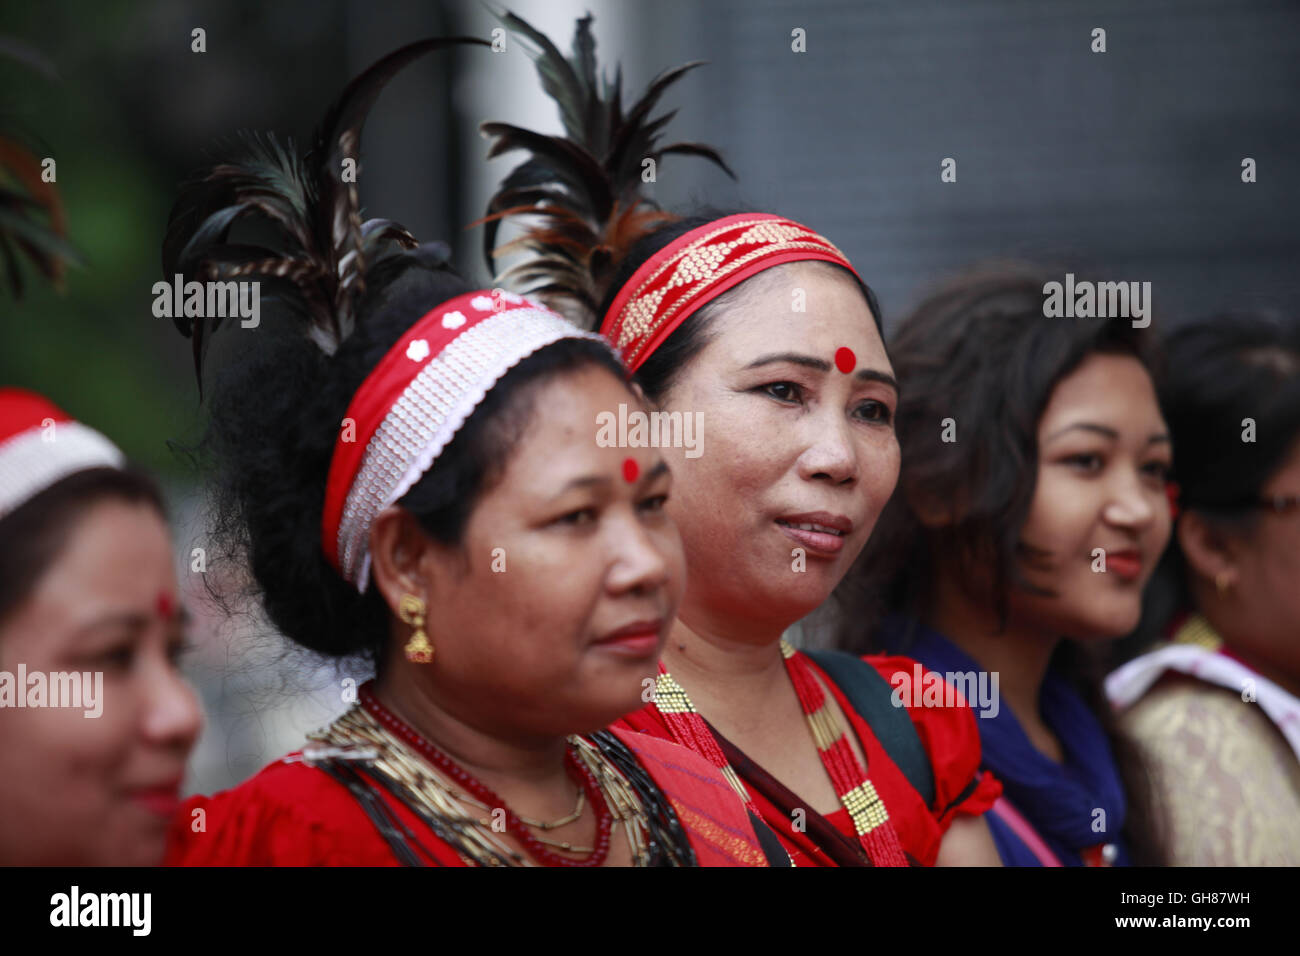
(758, 333)
(416, 486)
(95, 719)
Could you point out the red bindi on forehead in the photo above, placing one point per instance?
(630, 470)
(165, 605)
(845, 360)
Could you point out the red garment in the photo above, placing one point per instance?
(950, 737)
(294, 814)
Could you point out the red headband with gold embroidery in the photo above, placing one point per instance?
(697, 268)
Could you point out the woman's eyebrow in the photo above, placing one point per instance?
(794, 358)
(808, 361)
(128, 621)
(654, 472)
(1105, 431)
(1102, 430)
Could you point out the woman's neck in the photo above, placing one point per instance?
(1242, 637)
(727, 677)
(527, 772)
(1018, 654)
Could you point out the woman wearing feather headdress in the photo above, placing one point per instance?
(407, 485)
(763, 331)
(32, 222)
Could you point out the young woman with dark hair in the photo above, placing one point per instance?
(95, 719)
(1216, 711)
(1031, 509)
(424, 490)
(760, 330)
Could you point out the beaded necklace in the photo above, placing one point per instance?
(856, 793)
(370, 745)
(576, 767)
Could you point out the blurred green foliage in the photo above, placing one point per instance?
(94, 347)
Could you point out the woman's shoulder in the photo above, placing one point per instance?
(1203, 745)
(944, 710)
(705, 803)
(943, 707)
(290, 813)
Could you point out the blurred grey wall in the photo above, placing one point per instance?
(1127, 162)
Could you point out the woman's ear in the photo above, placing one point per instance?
(930, 511)
(1208, 551)
(400, 556)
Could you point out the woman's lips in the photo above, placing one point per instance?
(1125, 564)
(163, 801)
(639, 639)
(819, 538)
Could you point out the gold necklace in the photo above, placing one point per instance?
(357, 736)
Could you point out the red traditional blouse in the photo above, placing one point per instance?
(951, 739)
(294, 814)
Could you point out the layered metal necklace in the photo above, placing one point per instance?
(369, 749)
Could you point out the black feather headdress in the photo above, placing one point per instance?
(322, 251)
(583, 188)
(32, 222)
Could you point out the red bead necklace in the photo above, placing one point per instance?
(576, 768)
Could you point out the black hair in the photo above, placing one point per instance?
(657, 374)
(978, 350)
(1223, 370)
(34, 534)
(274, 420)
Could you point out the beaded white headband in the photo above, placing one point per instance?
(415, 401)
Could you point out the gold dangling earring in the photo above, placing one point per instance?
(411, 610)
(1223, 582)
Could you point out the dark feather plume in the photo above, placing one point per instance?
(583, 189)
(32, 222)
(319, 251)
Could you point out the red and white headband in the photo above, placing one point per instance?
(411, 405)
(40, 445)
(697, 268)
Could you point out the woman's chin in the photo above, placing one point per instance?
(1099, 628)
(796, 595)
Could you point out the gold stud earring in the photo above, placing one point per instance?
(411, 610)
(1223, 582)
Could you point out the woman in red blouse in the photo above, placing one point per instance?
(413, 481)
(759, 347)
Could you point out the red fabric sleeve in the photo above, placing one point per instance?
(292, 814)
(716, 821)
(951, 738)
(289, 814)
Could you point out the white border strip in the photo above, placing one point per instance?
(35, 459)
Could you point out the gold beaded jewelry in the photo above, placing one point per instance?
(357, 734)
(411, 610)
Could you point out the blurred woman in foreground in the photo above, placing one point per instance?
(95, 719)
